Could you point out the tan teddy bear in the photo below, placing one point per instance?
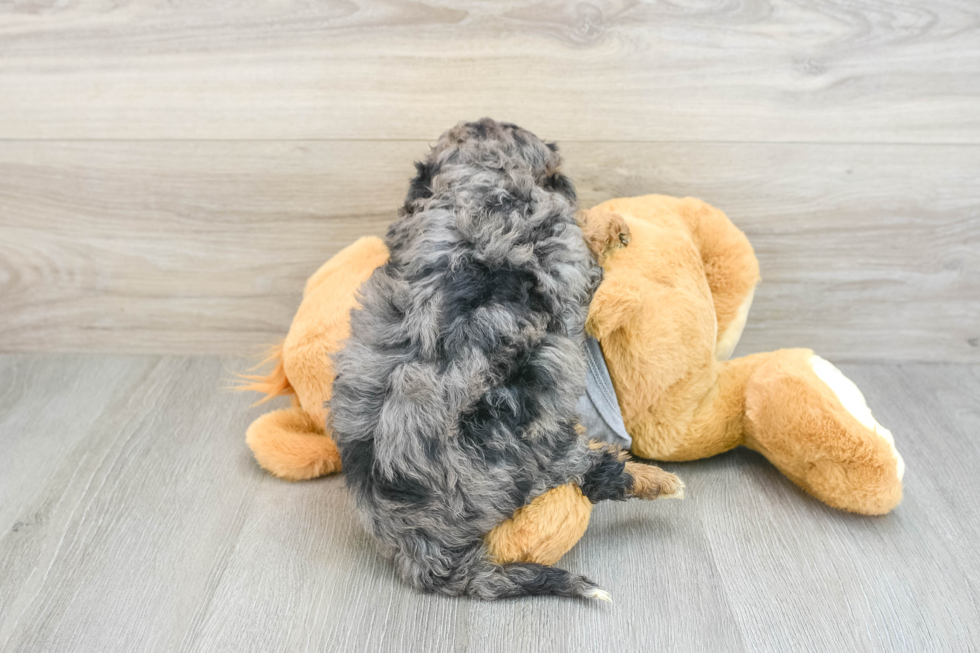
(668, 314)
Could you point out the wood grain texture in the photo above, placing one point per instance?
(867, 252)
(153, 530)
(738, 70)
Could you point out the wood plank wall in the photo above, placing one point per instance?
(170, 172)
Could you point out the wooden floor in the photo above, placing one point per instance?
(132, 518)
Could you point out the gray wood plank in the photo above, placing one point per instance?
(124, 534)
(46, 411)
(307, 578)
(867, 252)
(751, 71)
(153, 530)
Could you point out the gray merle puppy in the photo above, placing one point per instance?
(454, 400)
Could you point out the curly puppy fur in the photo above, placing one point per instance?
(454, 401)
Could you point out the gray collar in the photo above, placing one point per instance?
(598, 408)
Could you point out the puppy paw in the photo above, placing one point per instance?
(651, 482)
(604, 232)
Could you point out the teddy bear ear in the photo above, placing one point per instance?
(614, 305)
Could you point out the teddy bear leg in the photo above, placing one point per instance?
(707, 420)
(543, 530)
(291, 444)
(813, 424)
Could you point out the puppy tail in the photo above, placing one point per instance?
(530, 579)
(430, 566)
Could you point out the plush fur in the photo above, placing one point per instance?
(454, 402)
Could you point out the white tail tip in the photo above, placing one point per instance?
(596, 593)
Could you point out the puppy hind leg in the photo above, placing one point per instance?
(607, 478)
(615, 477)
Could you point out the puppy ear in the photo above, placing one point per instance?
(615, 303)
